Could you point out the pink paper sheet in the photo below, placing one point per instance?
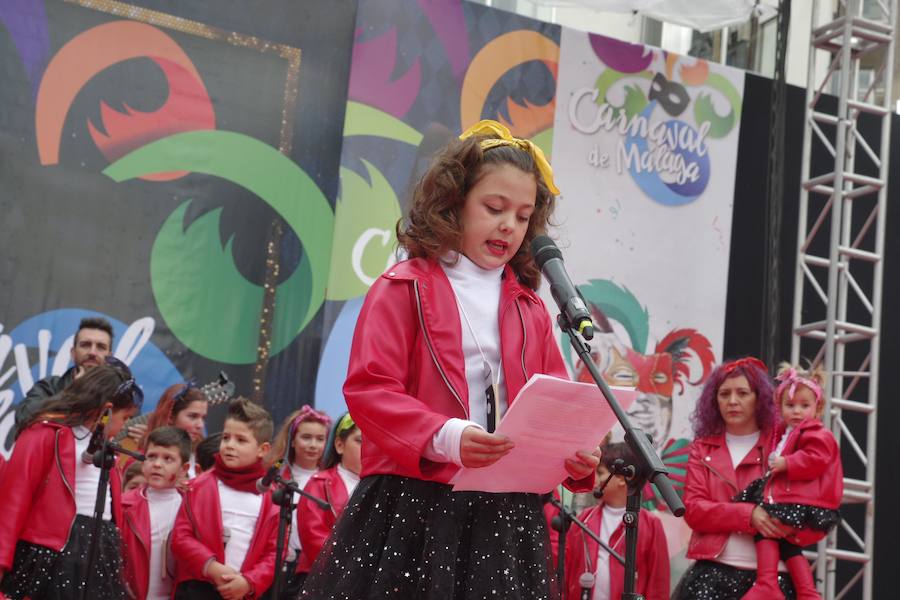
(549, 421)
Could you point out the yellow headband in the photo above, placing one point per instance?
(505, 138)
(344, 424)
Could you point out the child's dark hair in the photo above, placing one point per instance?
(207, 450)
(171, 437)
(615, 451)
(133, 470)
(432, 227)
(81, 402)
(255, 416)
(343, 429)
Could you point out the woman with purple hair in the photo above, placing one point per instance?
(733, 423)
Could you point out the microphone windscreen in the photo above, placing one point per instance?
(543, 249)
(586, 580)
(556, 523)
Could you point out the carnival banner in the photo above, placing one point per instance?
(171, 167)
(645, 151)
(421, 72)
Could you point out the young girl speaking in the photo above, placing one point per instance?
(444, 342)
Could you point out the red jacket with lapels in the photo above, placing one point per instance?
(652, 556)
(814, 473)
(314, 523)
(711, 483)
(197, 536)
(38, 487)
(136, 541)
(407, 375)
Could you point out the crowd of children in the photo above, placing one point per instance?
(169, 533)
(444, 342)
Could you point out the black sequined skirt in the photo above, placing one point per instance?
(195, 589)
(708, 580)
(795, 515)
(40, 573)
(404, 538)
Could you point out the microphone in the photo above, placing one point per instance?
(265, 482)
(598, 493)
(549, 260)
(96, 441)
(586, 582)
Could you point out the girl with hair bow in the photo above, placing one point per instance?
(299, 446)
(444, 342)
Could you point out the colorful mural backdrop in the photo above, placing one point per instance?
(421, 72)
(224, 186)
(645, 151)
(172, 168)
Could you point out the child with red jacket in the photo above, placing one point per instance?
(225, 533)
(334, 484)
(150, 512)
(300, 445)
(50, 488)
(586, 556)
(803, 487)
(443, 343)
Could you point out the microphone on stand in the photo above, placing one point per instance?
(598, 493)
(548, 258)
(265, 482)
(96, 442)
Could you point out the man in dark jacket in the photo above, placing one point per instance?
(93, 343)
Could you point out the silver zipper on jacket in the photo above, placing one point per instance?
(137, 534)
(431, 349)
(66, 483)
(62, 473)
(723, 478)
(524, 338)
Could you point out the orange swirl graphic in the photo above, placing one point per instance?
(491, 63)
(188, 106)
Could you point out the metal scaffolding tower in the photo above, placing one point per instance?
(838, 285)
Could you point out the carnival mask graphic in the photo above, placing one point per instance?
(658, 376)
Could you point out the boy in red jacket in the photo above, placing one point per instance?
(584, 555)
(150, 512)
(224, 535)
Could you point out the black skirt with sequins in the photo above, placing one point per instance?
(708, 580)
(404, 538)
(41, 573)
(795, 515)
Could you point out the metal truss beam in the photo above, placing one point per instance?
(840, 249)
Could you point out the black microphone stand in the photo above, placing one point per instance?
(648, 465)
(283, 497)
(105, 460)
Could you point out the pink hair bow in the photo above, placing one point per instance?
(308, 413)
(789, 380)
